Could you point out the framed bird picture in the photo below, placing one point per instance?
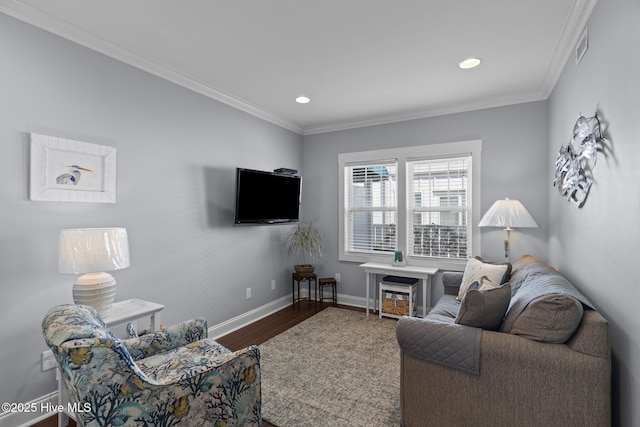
(65, 170)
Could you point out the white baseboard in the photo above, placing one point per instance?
(245, 319)
(362, 303)
(26, 419)
(353, 301)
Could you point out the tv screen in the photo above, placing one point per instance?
(266, 197)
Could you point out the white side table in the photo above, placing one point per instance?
(122, 312)
(372, 269)
(134, 309)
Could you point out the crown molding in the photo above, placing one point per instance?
(423, 114)
(69, 32)
(575, 24)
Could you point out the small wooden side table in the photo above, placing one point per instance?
(328, 281)
(300, 277)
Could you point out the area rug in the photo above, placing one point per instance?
(337, 368)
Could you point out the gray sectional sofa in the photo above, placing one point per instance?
(548, 363)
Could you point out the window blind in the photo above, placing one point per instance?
(439, 208)
(371, 206)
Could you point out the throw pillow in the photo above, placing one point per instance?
(552, 318)
(484, 309)
(487, 274)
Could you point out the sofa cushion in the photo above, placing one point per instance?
(484, 308)
(445, 309)
(551, 318)
(525, 268)
(451, 281)
(547, 301)
(485, 274)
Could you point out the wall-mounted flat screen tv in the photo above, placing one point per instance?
(267, 197)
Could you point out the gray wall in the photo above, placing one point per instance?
(177, 153)
(596, 246)
(514, 164)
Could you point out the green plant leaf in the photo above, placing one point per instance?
(306, 241)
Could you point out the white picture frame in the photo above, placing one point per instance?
(65, 170)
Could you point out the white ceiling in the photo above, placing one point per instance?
(361, 62)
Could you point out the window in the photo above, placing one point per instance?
(371, 207)
(422, 200)
(439, 224)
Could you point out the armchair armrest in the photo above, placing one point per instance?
(174, 336)
(199, 384)
(224, 386)
(203, 357)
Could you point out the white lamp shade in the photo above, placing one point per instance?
(508, 213)
(90, 250)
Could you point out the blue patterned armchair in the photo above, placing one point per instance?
(173, 377)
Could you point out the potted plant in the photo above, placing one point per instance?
(305, 241)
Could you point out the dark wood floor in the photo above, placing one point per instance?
(270, 326)
(255, 333)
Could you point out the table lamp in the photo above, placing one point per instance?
(506, 214)
(91, 252)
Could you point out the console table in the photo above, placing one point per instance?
(122, 312)
(372, 269)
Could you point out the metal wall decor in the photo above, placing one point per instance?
(576, 159)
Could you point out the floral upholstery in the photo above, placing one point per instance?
(173, 377)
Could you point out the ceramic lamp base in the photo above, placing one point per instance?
(97, 290)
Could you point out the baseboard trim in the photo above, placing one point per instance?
(26, 419)
(353, 301)
(361, 302)
(247, 318)
(231, 325)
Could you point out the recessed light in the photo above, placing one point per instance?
(303, 99)
(469, 63)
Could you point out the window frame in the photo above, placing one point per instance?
(374, 209)
(416, 167)
(402, 155)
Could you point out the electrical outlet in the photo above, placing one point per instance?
(337, 275)
(248, 293)
(48, 360)
(273, 284)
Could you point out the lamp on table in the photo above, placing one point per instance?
(91, 252)
(506, 214)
